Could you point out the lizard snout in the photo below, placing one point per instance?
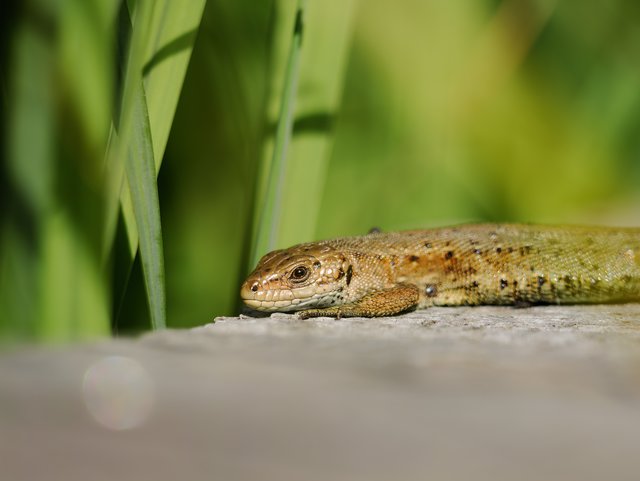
(265, 294)
(249, 289)
(251, 293)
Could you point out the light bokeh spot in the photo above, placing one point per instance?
(118, 392)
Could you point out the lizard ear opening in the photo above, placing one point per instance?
(349, 274)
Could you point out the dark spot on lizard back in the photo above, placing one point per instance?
(510, 250)
(448, 255)
(414, 258)
(477, 251)
(541, 281)
(524, 250)
(431, 290)
(428, 245)
(503, 283)
(498, 250)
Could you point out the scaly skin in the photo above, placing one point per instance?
(382, 274)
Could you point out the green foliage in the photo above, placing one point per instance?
(61, 200)
(405, 115)
(459, 111)
(57, 124)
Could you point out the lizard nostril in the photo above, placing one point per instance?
(254, 287)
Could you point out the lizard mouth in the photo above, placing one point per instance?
(262, 299)
(270, 306)
(282, 300)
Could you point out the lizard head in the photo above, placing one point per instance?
(301, 277)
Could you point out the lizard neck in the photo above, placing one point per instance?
(371, 272)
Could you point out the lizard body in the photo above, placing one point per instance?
(504, 264)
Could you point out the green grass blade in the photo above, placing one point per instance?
(60, 119)
(76, 292)
(141, 177)
(31, 124)
(327, 44)
(75, 300)
(120, 141)
(173, 32)
(271, 201)
(290, 191)
(159, 62)
(172, 28)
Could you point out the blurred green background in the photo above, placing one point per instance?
(408, 114)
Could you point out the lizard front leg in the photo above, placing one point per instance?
(388, 302)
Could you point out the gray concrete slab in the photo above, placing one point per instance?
(492, 393)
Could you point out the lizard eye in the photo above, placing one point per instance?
(299, 274)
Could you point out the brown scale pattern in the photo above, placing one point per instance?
(505, 264)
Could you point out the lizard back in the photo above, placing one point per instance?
(499, 264)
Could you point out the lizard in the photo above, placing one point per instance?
(387, 273)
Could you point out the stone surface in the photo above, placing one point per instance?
(450, 393)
